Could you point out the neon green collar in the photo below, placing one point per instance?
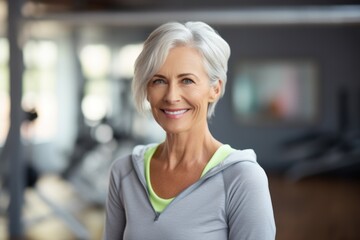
(159, 203)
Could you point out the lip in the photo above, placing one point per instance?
(175, 113)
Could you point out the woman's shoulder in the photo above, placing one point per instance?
(245, 170)
(125, 163)
(122, 165)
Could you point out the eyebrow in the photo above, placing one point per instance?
(179, 76)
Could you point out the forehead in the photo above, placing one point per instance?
(183, 59)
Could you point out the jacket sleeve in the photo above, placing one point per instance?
(249, 208)
(114, 211)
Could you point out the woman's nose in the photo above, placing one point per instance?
(172, 94)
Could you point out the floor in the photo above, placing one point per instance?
(316, 208)
(312, 209)
(58, 214)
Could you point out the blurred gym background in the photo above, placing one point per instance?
(66, 110)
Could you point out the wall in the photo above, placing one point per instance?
(335, 49)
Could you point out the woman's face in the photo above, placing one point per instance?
(179, 93)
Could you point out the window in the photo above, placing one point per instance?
(4, 90)
(39, 86)
(95, 61)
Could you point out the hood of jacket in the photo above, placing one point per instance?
(246, 155)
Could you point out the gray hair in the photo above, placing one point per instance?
(198, 35)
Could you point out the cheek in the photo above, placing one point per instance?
(151, 96)
(155, 94)
(203, 94)
(200, 99)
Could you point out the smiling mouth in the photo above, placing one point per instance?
(175, 113)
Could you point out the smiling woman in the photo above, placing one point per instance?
(190, 186)
(181, 91)
(212, 48)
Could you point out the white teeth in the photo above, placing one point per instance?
(175, 112)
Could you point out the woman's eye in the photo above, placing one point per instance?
(187, 81)
(158, 81)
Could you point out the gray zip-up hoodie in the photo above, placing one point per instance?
(231, 201)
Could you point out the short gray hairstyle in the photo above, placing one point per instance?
(198, 35)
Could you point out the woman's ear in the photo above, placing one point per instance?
(215, 90)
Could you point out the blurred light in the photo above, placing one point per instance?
(47, 54)
(95, 60)
(4, 51)
(103, 133)
(94, 107)
(39, 80)
(124, 63)
(4, 116)
(40, 54)
(4, 88)
(29, 56)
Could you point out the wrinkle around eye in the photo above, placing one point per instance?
(158, 81)
(188, 81)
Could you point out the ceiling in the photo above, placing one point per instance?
(116, 5)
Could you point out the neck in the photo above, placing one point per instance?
(187, 149)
